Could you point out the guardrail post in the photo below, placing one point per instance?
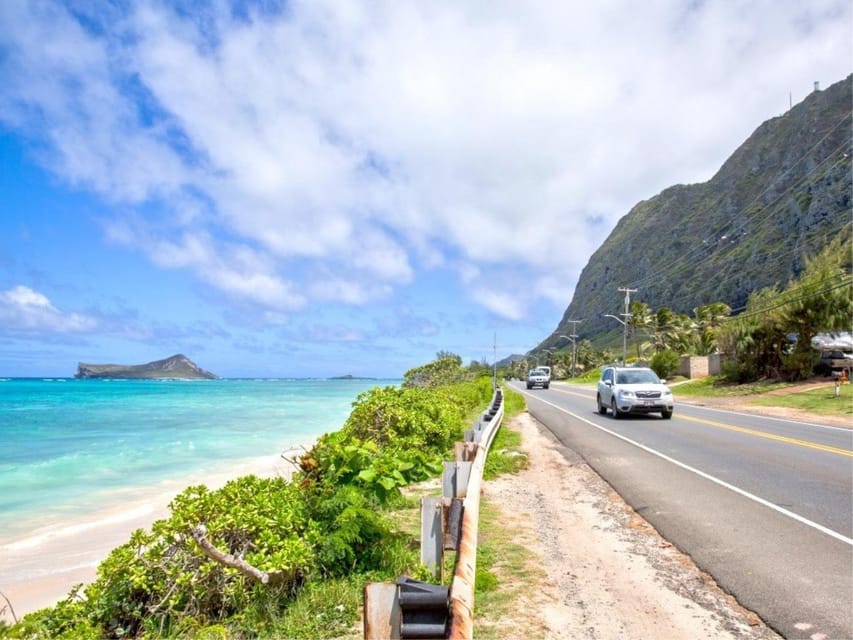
(454, 481)
(453, 510)
(464, 451)
(432, 533)
(382, 614)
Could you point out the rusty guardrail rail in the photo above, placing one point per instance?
(412, 609)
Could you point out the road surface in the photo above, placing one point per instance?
(763, 505)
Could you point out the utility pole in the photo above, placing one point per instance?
(627, 316)
(573, 336)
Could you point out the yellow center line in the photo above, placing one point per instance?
(751, 432)
(771, 436)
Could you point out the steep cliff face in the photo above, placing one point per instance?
(176, 367)
(781, 196)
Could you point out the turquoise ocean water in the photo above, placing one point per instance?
(72, 448)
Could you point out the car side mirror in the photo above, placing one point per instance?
(609, 383)
(663, 380)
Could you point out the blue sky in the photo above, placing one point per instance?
(327, 188)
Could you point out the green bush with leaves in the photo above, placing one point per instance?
(665, 363)
(446, 369)
(229, 563)
(405, 417)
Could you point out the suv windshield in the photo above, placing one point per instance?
(640, 376)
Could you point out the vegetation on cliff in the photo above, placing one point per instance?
(783, 195)
(771, 338)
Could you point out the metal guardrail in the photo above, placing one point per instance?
(412, 609)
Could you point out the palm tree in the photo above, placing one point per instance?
(708, 319)
(682, 333)
(660, 329)
(641, 319)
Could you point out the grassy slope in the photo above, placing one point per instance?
(816, 397)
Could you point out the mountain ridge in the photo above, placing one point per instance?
(780, 197)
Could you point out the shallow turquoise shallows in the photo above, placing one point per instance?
(71, 447)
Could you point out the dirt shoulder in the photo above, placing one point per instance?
(609, 573)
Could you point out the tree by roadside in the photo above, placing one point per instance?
(773, 336)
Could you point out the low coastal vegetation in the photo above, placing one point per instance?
(276, 557)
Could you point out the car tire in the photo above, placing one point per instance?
(546, 386)
(666, 414)
(601, 408)
(614, 409)
(529, 386)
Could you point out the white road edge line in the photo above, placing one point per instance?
(706, 476)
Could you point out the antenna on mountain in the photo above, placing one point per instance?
(817, 85)
(790, 100)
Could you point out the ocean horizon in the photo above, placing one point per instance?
(80, 452)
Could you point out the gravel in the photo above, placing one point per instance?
(609, 573)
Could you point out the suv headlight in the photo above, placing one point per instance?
(625, 393)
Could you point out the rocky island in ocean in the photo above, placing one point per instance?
(177, 367)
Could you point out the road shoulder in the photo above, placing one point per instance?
(609, 573)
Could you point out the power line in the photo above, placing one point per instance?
(770, 209)
(848, 282)
(760, 215)
(809, 173)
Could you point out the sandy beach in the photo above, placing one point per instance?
(40, 570)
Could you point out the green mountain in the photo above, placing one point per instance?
(781, 196)
(177, 367)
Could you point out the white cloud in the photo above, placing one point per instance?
(344, 139)
(332, 333)
(73, 88)
(503, 304)
(332, 288)
(24, 310)
(237, 270)
(554, 289)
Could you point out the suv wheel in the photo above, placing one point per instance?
(666, 414)
(601, 408)
(616, 413)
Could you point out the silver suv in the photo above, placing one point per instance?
(538, 378)
(626, 390)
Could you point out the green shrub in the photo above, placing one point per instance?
(327, 523)
(739, 371)
(665, 363)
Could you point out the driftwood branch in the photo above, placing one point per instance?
(234, 562)
(292, 457)
(11, 608)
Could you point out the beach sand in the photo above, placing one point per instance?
(40, 570)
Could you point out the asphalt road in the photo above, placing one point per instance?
(763, 505)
